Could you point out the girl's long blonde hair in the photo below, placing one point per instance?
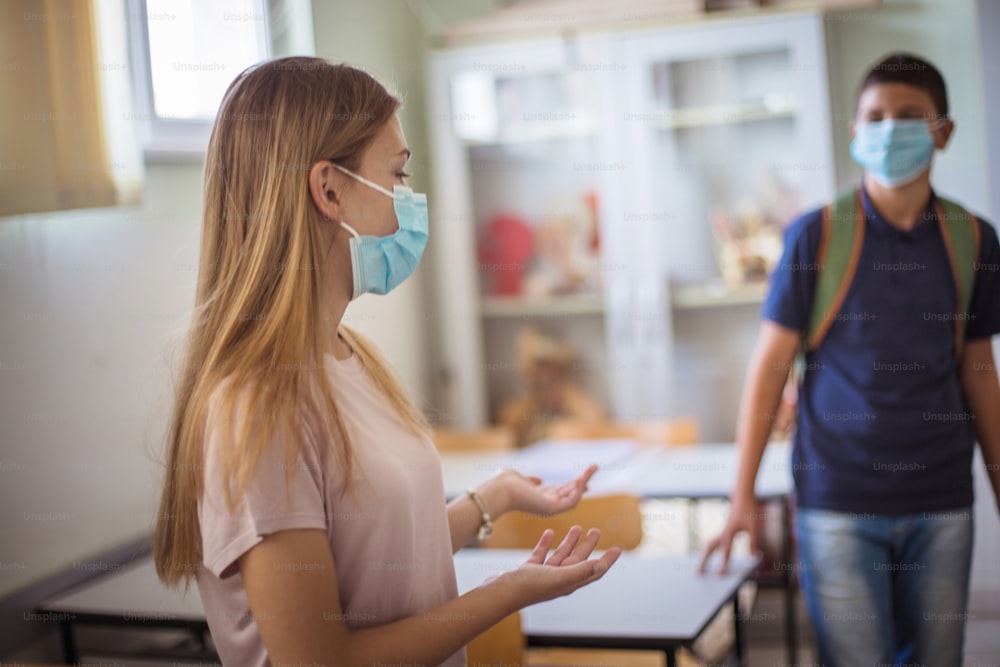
(259, 332)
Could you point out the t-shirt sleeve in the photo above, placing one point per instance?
(272, 501)
(790, 295)
(984, 309)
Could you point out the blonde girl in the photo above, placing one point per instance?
(302, 491)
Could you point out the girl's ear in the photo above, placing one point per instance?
(324, 182)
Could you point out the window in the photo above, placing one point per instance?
(186, 53)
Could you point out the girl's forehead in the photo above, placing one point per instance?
(388, 143)
(390, 137)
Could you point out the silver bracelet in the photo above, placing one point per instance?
(486, 528)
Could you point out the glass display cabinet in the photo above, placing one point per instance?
(625, 193)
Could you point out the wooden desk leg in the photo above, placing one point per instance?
(68, 642)
(791, 624)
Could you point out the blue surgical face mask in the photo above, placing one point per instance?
(380, 263)
(893, 152)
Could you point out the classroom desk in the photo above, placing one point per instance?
(648, 471)
(693, 472)
(643, 602)
(130, 597)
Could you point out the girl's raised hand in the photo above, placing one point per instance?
(527, 494)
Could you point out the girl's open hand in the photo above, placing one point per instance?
(545, 576)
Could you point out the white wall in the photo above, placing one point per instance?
(89, 302)
(988, 20)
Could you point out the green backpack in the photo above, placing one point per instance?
(840, 249)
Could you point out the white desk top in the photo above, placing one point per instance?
(555, 462)
(650, 471)
(653, 598)
(707, 471)
(659, 598)
(132, 594)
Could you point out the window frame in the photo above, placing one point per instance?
(183, 140)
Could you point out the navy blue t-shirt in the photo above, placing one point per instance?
(883, 425)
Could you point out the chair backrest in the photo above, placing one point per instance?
(669, 432)
(489, 439)
(672, 432)
(578, 429)
(618, 516)
(503, 644)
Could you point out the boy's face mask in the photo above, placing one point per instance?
(381, 263)
(893, 152)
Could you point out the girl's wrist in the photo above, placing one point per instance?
(496, 495)
(511, 592)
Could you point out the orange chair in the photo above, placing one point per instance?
(618, 516)
(503, 644)
(489, 439)
(668, 432)
(620, 520)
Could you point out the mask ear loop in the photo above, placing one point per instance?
(364, 180)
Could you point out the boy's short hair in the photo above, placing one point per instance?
(899, 67)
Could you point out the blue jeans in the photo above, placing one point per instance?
(886, 590)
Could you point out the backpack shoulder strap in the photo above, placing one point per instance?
(960, 231)
(837, 260)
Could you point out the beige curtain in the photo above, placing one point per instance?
(52, 143)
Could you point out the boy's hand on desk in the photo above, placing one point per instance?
(527, 494)
(743, 516)
(546, 576)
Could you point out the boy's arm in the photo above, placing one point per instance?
(982, 393)
(765, 382)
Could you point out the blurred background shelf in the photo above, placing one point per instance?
(542, 306)
(713, 295)
(555, 128)
(720, 115)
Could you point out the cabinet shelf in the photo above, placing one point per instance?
(720, 115)
(577, 127)
(718, 294)
(542, 306)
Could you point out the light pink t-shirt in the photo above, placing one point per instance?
(390, 540)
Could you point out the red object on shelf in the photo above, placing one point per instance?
(593, 203)
(506, 246)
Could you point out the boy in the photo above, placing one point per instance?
(892, 398)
